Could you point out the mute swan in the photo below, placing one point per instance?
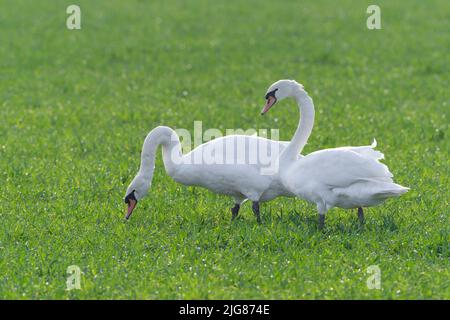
(213, 165)
(346, 177)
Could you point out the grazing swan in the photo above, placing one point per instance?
(229, 165)
(346, 177)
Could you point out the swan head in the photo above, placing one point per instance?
(137, 189)
(280, 90)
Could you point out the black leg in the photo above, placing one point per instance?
(321, 221)
(361, 215)
(235, 211)
(255, 208)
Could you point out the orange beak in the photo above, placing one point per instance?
(269, 103)
(131, 205)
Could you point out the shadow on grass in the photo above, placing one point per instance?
(341, 222)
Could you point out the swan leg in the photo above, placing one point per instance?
(322, 210)
(255, 207)
(235, 211)
(321, 221)
(361, 215)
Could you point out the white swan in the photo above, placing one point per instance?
(347, 177)
(231, 165)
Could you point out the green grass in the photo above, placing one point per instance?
(75, 107)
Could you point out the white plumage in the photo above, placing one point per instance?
(259, 169)
(231, 165)
(346, 177)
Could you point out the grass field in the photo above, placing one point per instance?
(77, 104)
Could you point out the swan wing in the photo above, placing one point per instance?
(339, 168)
(238, 149)
(366, 151)
(234, 164)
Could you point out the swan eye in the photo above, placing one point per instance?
(271, 94)
(130, 196)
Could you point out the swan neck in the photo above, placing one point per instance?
(171, 149)
(305, 125)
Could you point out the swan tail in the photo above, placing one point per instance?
(389, 190)
(367, 194)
